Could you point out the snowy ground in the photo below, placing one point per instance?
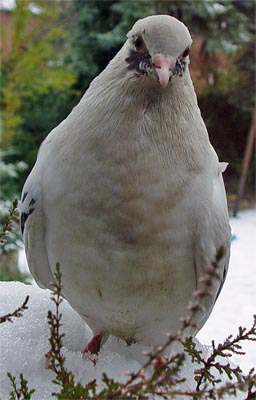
(24, 343)
(236, 304)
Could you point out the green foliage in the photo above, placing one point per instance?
(235, 82)
(10, 219)
(22, 392)
(98, 31)
(35, 96)
(9, 175)
(228, 105)
(8, 276)
(35, 65)
(244, 94)
(36, 92)
(10, 236)
(8, 225)
(10, 242)
(39, 118)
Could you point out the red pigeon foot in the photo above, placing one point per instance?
(93, 346)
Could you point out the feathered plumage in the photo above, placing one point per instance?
(127, 193)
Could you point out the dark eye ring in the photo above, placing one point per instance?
(186, 52)
(139, 44)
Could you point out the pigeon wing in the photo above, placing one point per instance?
(214, 237)
(32, 222)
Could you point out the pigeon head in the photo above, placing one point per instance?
(159, 47)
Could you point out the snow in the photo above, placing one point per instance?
(7, 5)
(24, 342)
(236, 304)
(10, 5)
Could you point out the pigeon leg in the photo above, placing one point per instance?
(93, 346)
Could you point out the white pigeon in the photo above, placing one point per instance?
(127, 194)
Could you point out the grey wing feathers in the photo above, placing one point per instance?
(224, 274)
(212, 237)
(27, 210)
(33, 230)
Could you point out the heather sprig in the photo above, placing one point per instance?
(20, 390)
(10, 219)
(16, 313)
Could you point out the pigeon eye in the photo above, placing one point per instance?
(139, 44)
(186, 52)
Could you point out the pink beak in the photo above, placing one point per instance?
(163, 68)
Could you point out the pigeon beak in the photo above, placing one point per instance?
(163, 66)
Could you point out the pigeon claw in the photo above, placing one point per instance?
(93, 346)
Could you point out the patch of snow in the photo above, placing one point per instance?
(24, 344)
(219, 8)
(236, 304)
(35, 9)
(7, 5)
(214, 9)
(10, 5)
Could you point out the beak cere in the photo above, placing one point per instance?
(163, 66)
